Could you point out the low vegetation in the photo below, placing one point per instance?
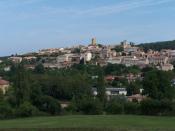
(93, 123)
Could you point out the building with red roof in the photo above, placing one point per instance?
(4, 85)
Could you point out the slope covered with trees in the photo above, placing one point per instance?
(40, 91)
(158, 45)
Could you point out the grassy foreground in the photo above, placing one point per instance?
(91, 123)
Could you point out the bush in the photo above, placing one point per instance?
(71, 109)
(50, 105)
(90, 106)
(5, 111)
(115, 106)
(156, 107)
(26, 109)
(173, 109)
(131, 108)
(166, 106)
(150, 107)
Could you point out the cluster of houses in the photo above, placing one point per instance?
(102, 55)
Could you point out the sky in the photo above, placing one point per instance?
(30, 25)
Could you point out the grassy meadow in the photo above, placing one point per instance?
(90, 123)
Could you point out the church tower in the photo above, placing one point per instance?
(93, 41)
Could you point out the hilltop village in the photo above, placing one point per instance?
(127, 53)
(90, 79)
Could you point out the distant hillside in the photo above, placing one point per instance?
(158, 45)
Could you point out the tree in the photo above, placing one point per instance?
(36, 93)
(101, 88)
(115, 69)
(1, 95)
(118, 48)
(134, 88)
(133, 69)
(158, 45)
(39, 69)
(157, 85)
(76, 50)
(21, 88)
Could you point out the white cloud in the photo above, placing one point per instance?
(46, 10)
(121, 7)
(103, 10)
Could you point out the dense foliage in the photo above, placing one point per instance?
(158, 45)
(41, 91)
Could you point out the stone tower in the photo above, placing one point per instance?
(94, 41)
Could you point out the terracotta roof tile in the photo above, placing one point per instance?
(3, 82)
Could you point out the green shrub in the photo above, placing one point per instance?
(90, 106)
(150, 107)
(131, 108)
(50, 105)
(26, 109)
(114, 108)
(5, 110)
(116, 105)
(156, 107)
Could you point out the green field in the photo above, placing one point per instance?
(92, 123)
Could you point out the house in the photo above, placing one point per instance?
(30, 58)
(138, 54)
(63, 58)
(131, 49)
(48, 51)
(75, 59)
(142, 61)
(172, 55)
(71, 58)
(52, 66)
(1, 61)
(116, 91)
(88, 56)
(102, 62)
(7, 68)
(167, 67)
(15, 59)
(130, 60)
(32, 67)
(173, 81)
(111, 92)
(137, 97)
(128, 47)
(64, 104)
(110, 78)
(155, 60)
(105, 52)
(115, 60)
(4, 85)
(133, 77)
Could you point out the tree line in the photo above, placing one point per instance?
(158, 45)
(40, 91)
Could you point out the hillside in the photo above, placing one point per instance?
(158, 45)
